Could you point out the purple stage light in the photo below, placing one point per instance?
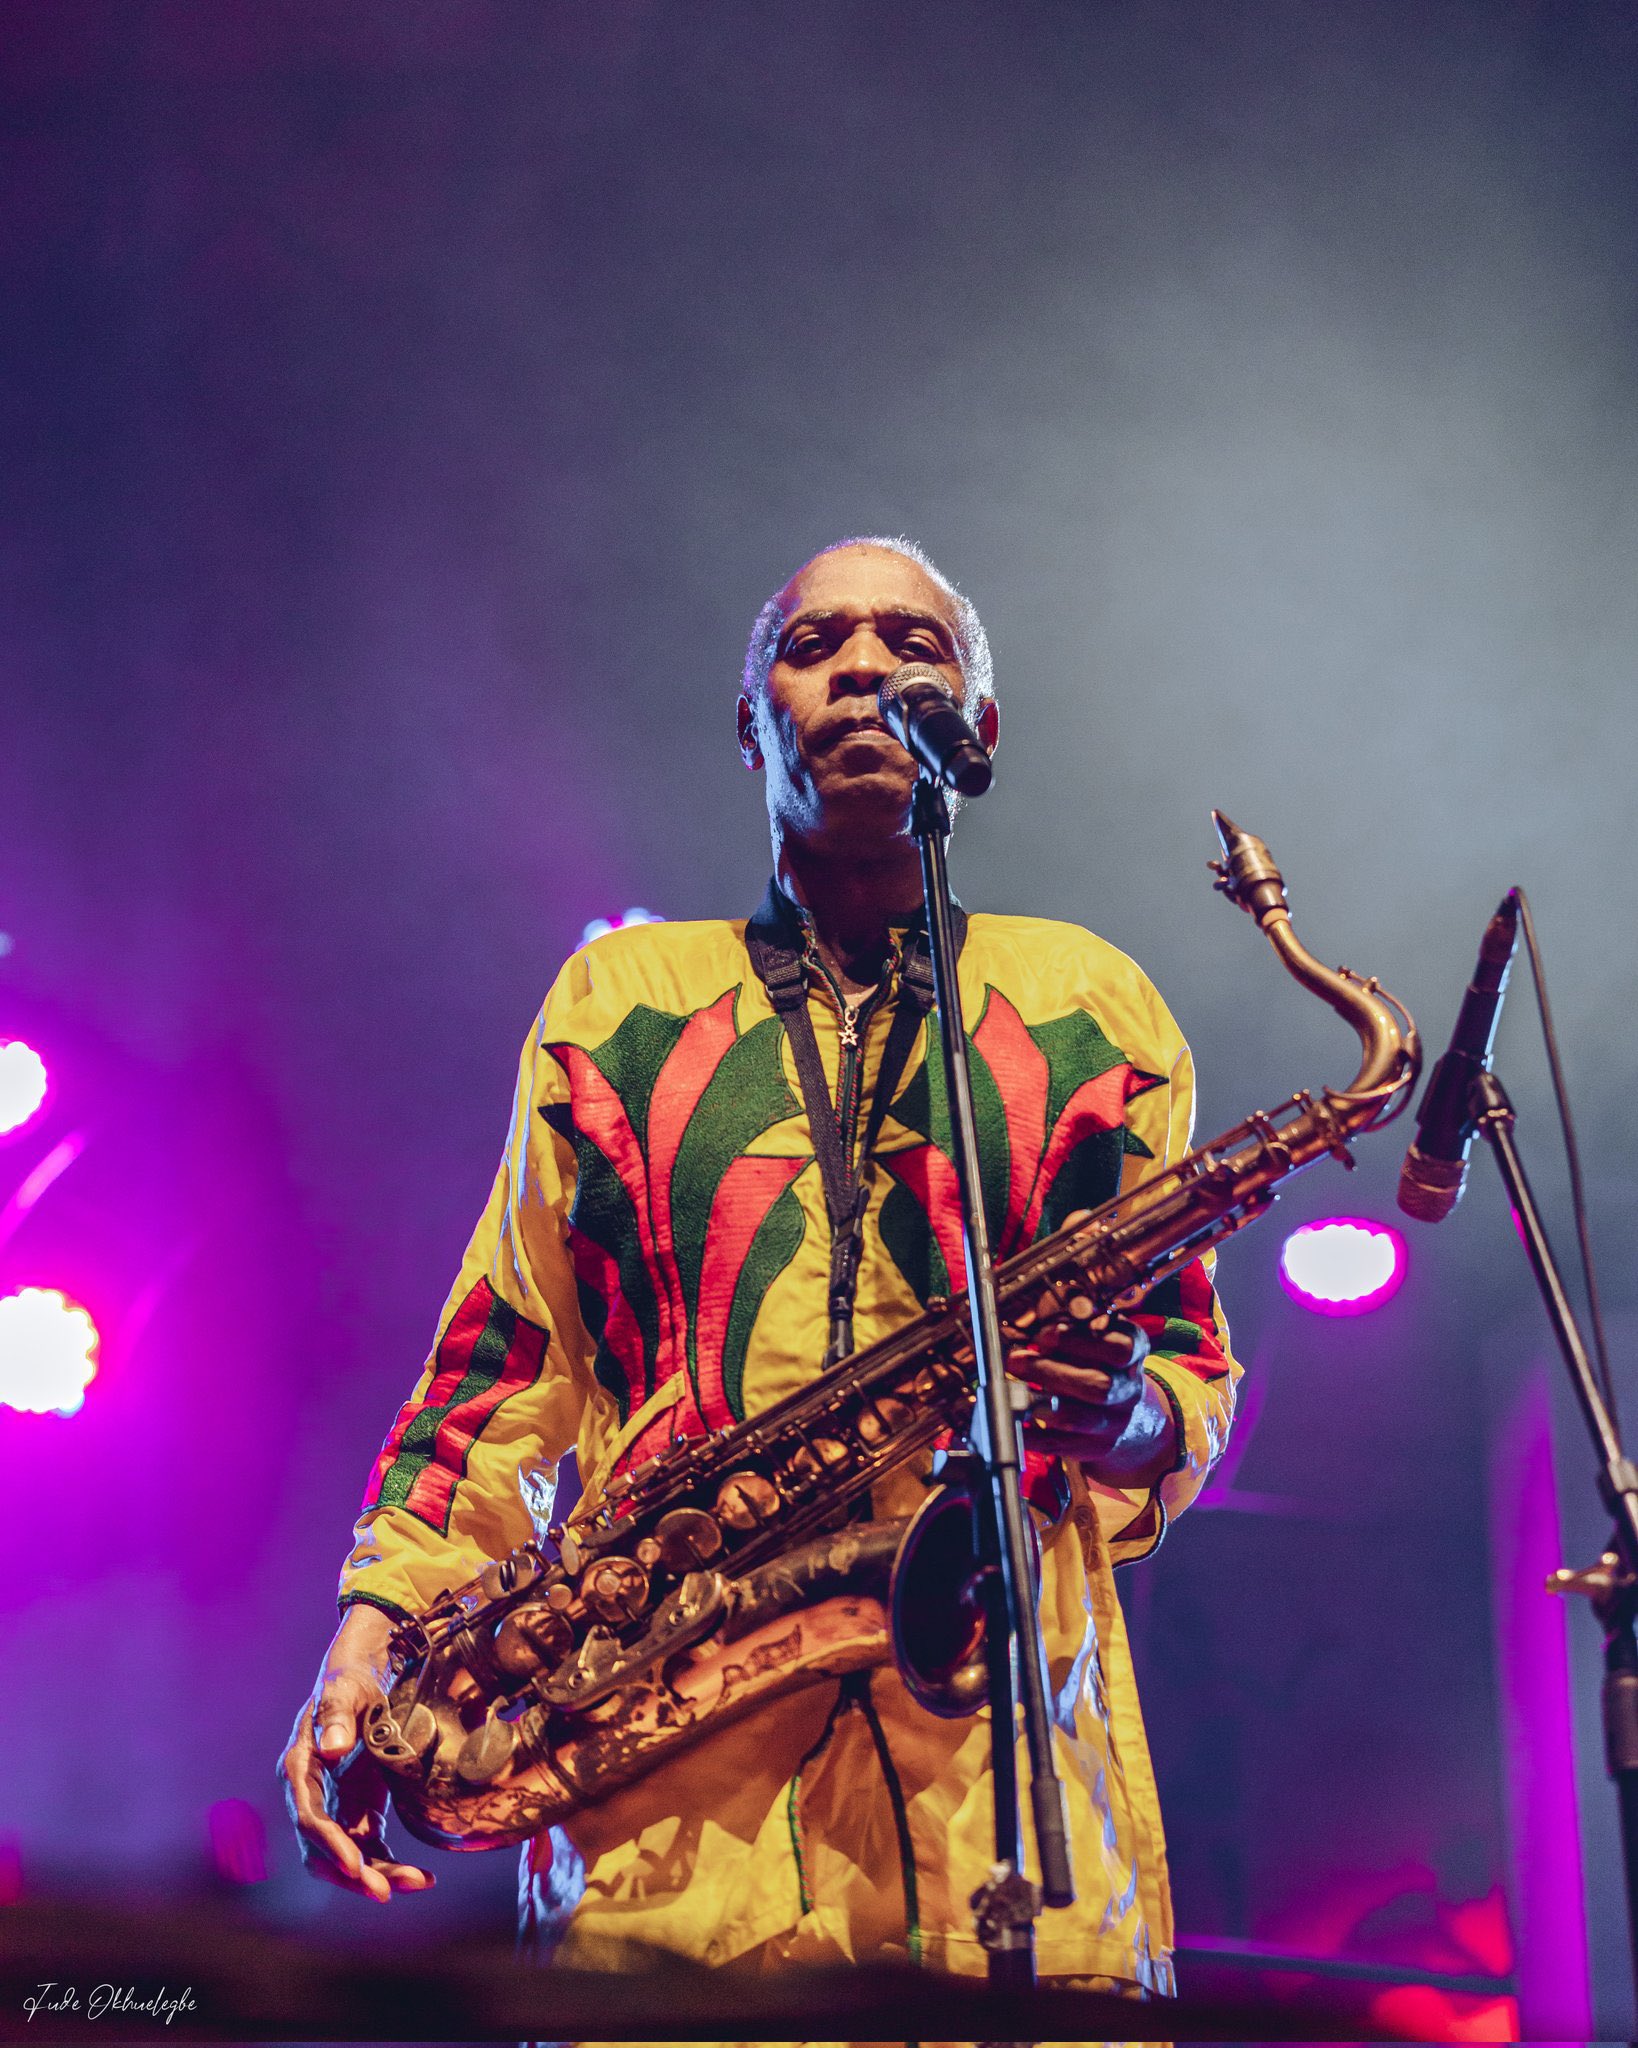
(48, 1352)
(1345, 1266)
(24, 1085)
(597, 926)
(238, 1842)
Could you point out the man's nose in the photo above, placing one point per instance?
(863, 662)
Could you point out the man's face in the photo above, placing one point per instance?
(851, 617)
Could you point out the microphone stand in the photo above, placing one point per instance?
(1612, 1584)
(1006, 1905)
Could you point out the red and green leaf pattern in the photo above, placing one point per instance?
(677, 1229)
(487, 1352)
(1050, 1103)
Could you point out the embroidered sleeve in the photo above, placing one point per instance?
(1189, 1357)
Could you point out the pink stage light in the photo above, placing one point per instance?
(1345, 1266)
(238, 1842)
(24, 1084)
(48, 1352)
(636, 915)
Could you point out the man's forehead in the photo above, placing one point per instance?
(865, 580)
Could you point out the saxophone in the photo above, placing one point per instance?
(731, 1569)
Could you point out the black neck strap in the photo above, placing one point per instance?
(778, 945)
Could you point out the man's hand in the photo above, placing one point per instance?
(1094, 1401)
(339, 1807)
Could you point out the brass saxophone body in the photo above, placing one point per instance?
(729, 1571)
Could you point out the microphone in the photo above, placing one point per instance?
(919, 711)
(1435, 1170)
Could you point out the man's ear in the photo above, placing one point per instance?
(750, 747)
(989, 725)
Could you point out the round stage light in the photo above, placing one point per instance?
(48, 1352)
(597, 926)
(23, 1084)
(1345, 1266)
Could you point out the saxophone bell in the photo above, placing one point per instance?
(935, 1604)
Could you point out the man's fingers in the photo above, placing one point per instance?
(362, 1879)
(337, 1713)
(334, 1789)
(1094, 1389)
(336, 1737)
(332, 1852)
(327, 1849)
(365, 1867)
(1109, 1341)
(1078, 1411)
(302, 1773)
(357, 1863)
(1058, 1376)
(339, 1820)
(326, 1846)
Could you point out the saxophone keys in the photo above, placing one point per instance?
(830, 1451)
(617, 1589)
(935, 1376)
(801, 1471)
(509, 1574)
(530, 1637)
(420, 1731)
(882, 1418)
(485, 1753)
(688, 1538)
(745, 1500)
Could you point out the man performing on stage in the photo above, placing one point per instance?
(656, 1260)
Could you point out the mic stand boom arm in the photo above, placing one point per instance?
(1005, 1907)
(1612, 1585)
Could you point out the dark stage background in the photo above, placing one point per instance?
(404, 408)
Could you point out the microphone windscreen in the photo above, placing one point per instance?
(1430, 1188)
(921, 709)
(911, 672)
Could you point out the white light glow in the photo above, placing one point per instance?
(48, 1352)
(597, 926)
(1344, 1266)
(23, 1084)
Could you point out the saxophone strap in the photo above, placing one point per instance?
(777, 943)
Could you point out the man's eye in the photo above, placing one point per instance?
(804, 647)
(923, 647)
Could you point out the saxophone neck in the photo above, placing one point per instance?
(1246, 874)
(1390, 1056)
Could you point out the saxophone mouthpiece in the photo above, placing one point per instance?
(1246, 873)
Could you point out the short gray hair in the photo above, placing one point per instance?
(972, 642)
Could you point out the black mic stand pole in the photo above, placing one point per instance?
(1612, 1584)
(1006, 1906)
